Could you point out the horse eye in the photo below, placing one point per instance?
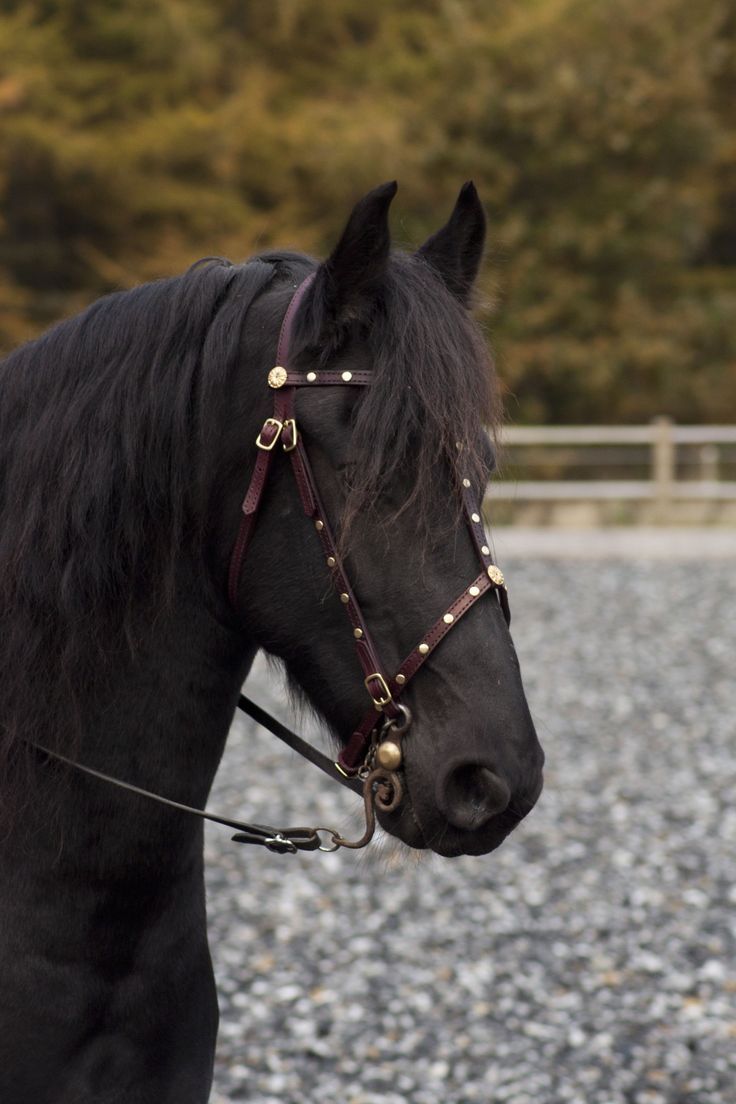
(488, 457)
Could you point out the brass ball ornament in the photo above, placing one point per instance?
(388, 755)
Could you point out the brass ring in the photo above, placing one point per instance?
(394, 726)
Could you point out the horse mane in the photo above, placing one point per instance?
(108, 436)
(433, 399)
(106, 426)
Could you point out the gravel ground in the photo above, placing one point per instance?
(590, 960)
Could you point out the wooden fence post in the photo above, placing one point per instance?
(709, 458)
(663, 466)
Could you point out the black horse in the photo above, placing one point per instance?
(127, 439)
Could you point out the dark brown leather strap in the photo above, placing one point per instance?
(280, 840)
(267, 439)
(352, 755)
(439, 630)
(297, 743)
(283, 347)
(313, 507)
(280, 432)
(319, 378)
(267, 442)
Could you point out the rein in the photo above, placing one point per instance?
(370, 762)
(281, 840)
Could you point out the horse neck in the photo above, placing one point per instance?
(162, 726)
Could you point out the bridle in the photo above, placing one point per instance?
(373, 753)
(370, 762)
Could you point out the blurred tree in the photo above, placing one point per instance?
(136, 137)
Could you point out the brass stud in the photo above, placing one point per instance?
(475, 518)
(311, 377)
(474, 590)
(331, 561)
(423, 649)
(401, 679)
(486, 550)
(388, 755)
(358, 634)
(466, 482)
(277, 377)
(448, 618)
(347, 376)
(344, 598)
(319, 525)
(495, 575)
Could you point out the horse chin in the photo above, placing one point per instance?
(433, 833)
(403, 825)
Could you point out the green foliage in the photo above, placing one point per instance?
(136, 137)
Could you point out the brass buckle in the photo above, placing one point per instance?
(274, 422)
(386, 695)
(294, 432)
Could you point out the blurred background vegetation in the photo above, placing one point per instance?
(137, 136)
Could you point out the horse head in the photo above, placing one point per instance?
(391, 464)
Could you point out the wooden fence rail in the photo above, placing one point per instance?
(662, 437)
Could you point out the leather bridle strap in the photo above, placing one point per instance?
(282, 426)
(280, 840)
(352, 755)
(297, 743)
(267, 440)
(379, 785)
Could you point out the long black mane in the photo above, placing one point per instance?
(106, 431)
(108, 440)
(433, 393)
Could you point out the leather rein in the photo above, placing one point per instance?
(370, 762)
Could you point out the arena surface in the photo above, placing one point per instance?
(592, 960)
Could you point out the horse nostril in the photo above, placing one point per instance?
(470, 794)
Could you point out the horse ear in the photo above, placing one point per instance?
(456, 250)
(347, 282)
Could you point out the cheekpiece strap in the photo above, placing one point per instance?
(281, 429)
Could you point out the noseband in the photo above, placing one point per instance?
(371, 760)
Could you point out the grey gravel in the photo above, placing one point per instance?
(591, 960)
